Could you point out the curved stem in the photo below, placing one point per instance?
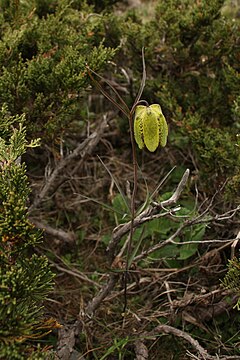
(135, 177)
(133, 200)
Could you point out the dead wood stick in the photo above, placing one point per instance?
(81, 150)
(75, 273)
(141, 350)
(66, 237)
(67, 336)
(182, 334)
(146, 215)
(103, 293)
(202, 353)
(66, 341)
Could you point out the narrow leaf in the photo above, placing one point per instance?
(117, 185)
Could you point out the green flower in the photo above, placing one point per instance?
(150, 127)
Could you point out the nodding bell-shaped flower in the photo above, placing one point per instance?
(150, 127)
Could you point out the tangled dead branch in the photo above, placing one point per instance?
(202, 353)
(145, 216)
(84, 148)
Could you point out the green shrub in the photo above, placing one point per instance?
(43, 56)
(25, 278)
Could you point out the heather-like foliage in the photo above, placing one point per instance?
(25, 278)
(43, 56)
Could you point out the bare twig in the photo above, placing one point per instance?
(213, 241)
(146, 215)
(103, 293)
(170, 240)
(158, 246)
(168, 292)
(66, 342)
(202, 353)
(75, 273)
(141, 350)
(175, 196)
(149, 215)
(234, 244)
(182, 334)
(80, 151)
(66, 237)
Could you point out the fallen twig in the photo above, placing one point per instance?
(66, 237)
(145, 216)
(81, 150)
(75, 273)
(103, 293)
(66, 342)
(141, 350)
(202, 353)
(182, 334)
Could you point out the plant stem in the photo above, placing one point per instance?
(135, 177)
(133, 200)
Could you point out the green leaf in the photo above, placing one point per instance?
(120, 207)
(187, 250)
(195, 235)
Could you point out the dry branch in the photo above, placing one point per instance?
(141, 350)
(75, 273)
(201, 352)
(166, 329)
(66, 237)
(67, 335)
(66, 342)
(84, 148)
(145, 216)
(103, 293)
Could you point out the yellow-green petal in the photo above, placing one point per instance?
(138, 126)
(163, 127)
(163, 130)
(140, 111)
(151, 129)
(156, 108)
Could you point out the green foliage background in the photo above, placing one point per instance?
(44, 49)
(25, 279)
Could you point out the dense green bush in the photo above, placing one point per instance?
(25, 278)
(43, 56)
